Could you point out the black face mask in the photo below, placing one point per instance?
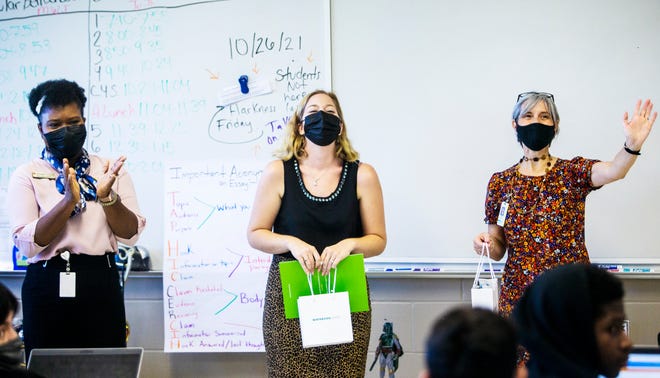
(66, 142)
(11, 352)
(535, 136)
(322, 128)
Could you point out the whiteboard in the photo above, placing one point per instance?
(156, 73)
(213, 282)
(427, 88)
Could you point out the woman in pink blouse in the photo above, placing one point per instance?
(68, 209)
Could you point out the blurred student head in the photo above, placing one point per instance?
(8, 308)
(471, 342)
(570, 320)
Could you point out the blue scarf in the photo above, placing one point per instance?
(86, 182)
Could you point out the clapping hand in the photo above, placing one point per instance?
(71, 186)
(104, 184)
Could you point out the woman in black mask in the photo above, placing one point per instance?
(68, 209)
(316, 204)
(535, 209)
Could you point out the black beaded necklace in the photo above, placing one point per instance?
(538, 158)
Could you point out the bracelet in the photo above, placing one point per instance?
(113, 199)
(632, 152)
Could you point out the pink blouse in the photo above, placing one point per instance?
(32, 194)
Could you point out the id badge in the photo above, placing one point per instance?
(501, 217)
(67, 284)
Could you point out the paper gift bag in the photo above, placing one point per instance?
(486, 294)
(325, 319)
(350, 278)
(485, 291)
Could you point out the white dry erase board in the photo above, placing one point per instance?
(427, 89)
(155, 72)
(164, 83)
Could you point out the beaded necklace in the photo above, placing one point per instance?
(537, 158)
(314, 198)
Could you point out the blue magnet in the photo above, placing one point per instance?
(243, 80)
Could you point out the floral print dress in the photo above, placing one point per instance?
(544, 225)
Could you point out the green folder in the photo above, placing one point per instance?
(350, 278)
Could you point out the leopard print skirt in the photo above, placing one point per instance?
(286, 356)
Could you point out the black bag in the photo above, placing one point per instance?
(139, 259)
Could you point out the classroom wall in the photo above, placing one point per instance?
(426, 86)
(411, 303)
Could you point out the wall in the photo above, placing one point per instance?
(427, 88)
(411, 303)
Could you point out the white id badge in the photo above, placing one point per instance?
(501, 217)
(67, 285)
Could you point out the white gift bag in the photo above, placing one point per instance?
(325, 319)
(485, 291)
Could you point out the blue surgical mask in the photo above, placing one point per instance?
(322, 128)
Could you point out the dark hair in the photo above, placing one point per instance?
(8, 303)
(604, 288)
(56, 93)
(556, 315)
(471, 342)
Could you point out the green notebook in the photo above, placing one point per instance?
(350, 278)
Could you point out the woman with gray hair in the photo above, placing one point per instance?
(535, 208)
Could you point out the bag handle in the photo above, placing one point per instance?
(318, 277)
(485, 251)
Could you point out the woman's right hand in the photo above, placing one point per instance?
(306, 254)
(480, 240)
(71, 186)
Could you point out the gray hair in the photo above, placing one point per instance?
(526, 101)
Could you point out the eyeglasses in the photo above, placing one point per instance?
(542, 94)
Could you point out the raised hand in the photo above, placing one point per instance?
(638, 127)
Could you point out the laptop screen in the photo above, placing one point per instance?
(642, 363)
(86, 362)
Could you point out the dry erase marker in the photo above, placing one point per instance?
(637, 270)
(611, 268)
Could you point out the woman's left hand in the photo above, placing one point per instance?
(104, 183)
(638, 127)
(332, 255)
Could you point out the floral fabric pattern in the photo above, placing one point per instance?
(544, 224)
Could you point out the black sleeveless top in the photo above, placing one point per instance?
(319, 221)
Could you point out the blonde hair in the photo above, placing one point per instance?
(293, 144)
